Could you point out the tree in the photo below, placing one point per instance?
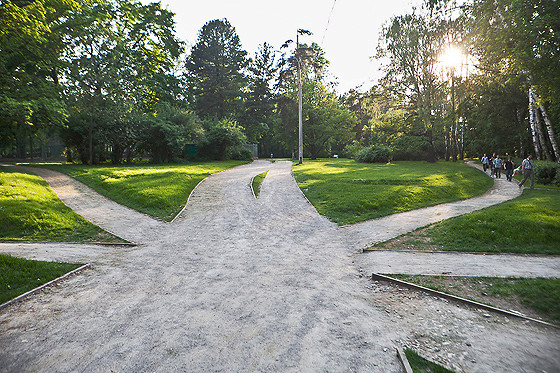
(325, 120)
(412, 44)
(259, 106)
(31, 41)
(515, 37)
(165, 134)
(120, 54)
(221, 135)
(216, 64)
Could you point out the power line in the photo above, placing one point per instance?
(328, 22)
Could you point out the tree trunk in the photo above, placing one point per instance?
(532, 115)
(542, 139)
(549, 128)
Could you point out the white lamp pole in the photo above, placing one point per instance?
(300, 103)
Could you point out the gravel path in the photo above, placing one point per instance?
(238, 284)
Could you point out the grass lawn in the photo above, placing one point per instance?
(257, 181)
(18, 276)
(536, 297)
(31, 211)
(421, 365)
(529, 224)
(347, 192)
(157, 190)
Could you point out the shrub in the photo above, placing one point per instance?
(375, 154)
(352, 150)
(546, 172)
(240, 154)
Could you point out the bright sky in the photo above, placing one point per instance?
(349, 39)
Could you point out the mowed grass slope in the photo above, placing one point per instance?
(348, 192)
(18, 276)
(529, 224)
(157, 190)
(31, 211)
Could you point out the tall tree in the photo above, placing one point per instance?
(259, 105)
(31, 41)
(217, 64)
(412, 43)
(118, 53)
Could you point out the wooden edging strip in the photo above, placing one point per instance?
(404, 360)
(20, 297)
(377, 276)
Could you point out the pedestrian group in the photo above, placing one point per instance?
(496, 164)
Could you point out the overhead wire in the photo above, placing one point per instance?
(328, 22)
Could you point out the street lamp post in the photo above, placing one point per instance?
(300, 102)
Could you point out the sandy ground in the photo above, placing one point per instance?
(242, 284)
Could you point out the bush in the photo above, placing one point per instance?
(546, 172)
(352, 150)
(375, 154)
(240, 154)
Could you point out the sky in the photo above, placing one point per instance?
(347, 30)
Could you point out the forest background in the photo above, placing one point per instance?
(112, 82)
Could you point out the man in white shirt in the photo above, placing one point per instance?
(527, 167)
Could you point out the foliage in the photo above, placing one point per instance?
(259, 105)
(527, 224)
(221, 136)
(157, 190)
(348, 192)
(165, 134)
(240, 153)
(18, 276)
(31, 41)
(375, 154)
(31, 211)
(546, 172)
(118, 54)
(216, 64)
(351, 150)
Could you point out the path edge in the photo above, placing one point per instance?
(377, 276)
(37, 289)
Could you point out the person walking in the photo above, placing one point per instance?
(528, 172)
(509, 165)
(484, 161)
(498, 166)
(491, 162)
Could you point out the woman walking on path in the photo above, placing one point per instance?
(491, 162)
(508, 165)
(527, 167)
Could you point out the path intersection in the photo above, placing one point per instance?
(239, 284)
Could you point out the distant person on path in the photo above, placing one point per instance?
(484, 160)
(508, 165)
(527, 167)
(491, 161)
(498, 167)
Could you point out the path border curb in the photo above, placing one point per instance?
(37, 289)
(404, 359)
(377, 276)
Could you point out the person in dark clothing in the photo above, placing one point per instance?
(509, 165)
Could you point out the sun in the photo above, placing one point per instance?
(452, 58)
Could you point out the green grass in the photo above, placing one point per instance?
(421, 365)
(257, 181)
(18, 276)
(527, 224)
(31, 211)
(539, 295)
(348, 192)
(157, 190)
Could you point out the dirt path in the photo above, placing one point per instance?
(238, 284)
